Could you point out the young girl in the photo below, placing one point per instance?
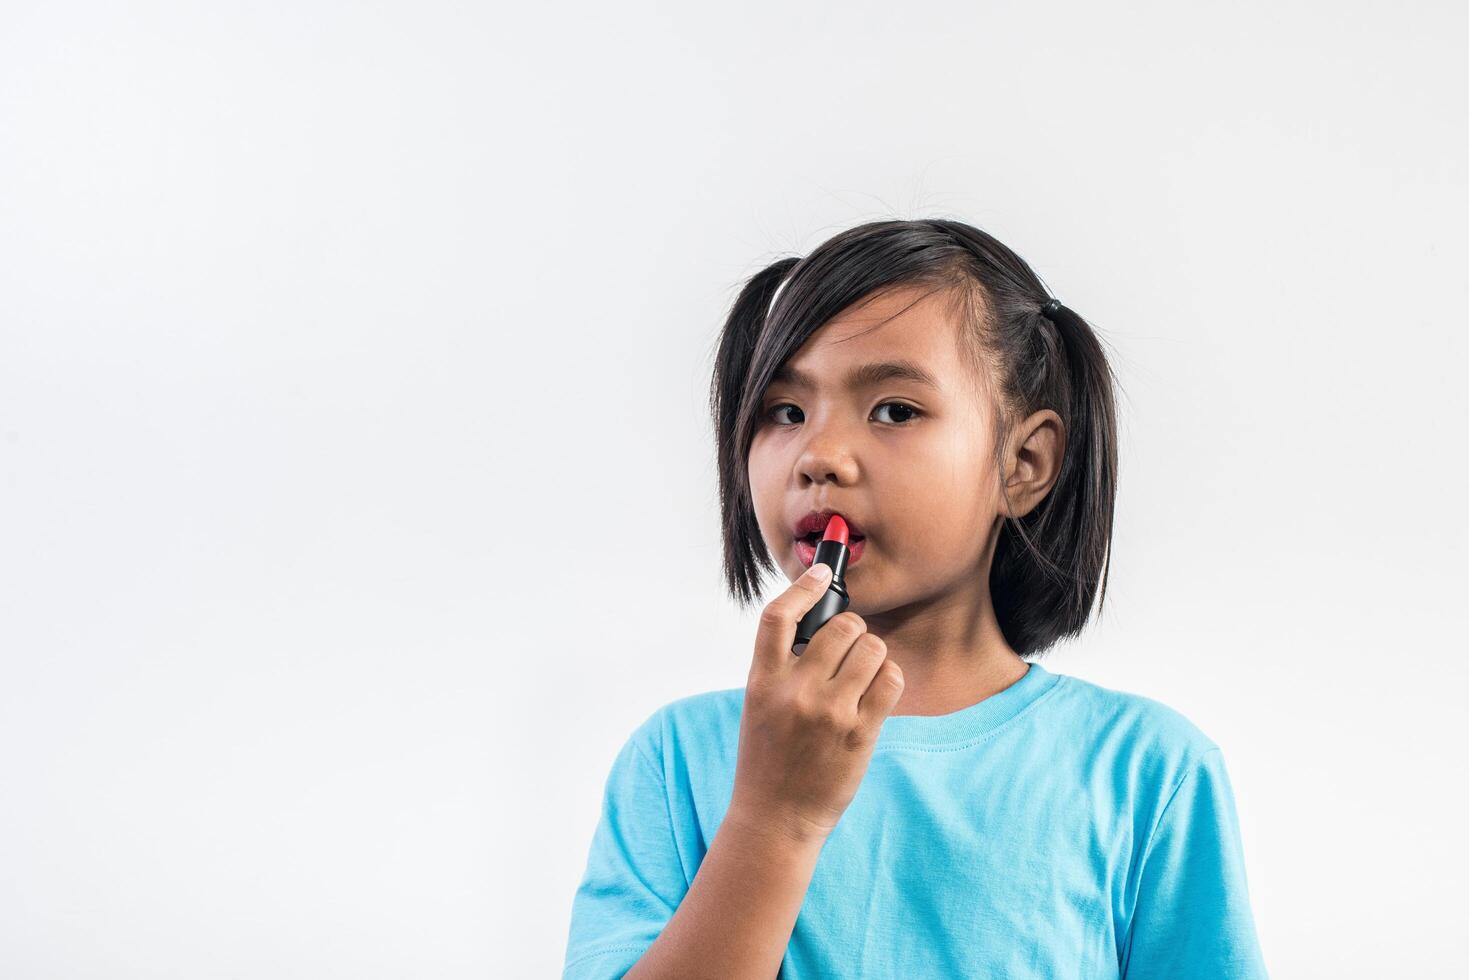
(909, 796)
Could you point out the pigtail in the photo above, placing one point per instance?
(1052, 563)
(745, 553)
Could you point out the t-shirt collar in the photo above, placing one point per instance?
(967, 724)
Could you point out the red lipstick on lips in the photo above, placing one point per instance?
(833, 550)
(817, 521)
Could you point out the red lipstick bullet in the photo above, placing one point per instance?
(832, 551)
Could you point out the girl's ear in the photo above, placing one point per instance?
(1051, 565)
(1033, 461)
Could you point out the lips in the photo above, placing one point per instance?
(809, 529)
(817, 520)
(806, 551)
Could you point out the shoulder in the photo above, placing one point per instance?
(1139, 735)
(1144, 720)
(693, 724)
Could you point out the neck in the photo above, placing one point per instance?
(950, 646)
(951, 651)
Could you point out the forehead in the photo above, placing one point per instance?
(916, 324)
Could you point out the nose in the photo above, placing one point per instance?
(826, 456)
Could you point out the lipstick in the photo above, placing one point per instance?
(831, 551)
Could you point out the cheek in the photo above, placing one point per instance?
(764, 492)
(948, 463)
(757, 468)
(943, 502)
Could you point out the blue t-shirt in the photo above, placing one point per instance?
(1055, 829)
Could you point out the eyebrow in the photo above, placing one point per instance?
(866, 376)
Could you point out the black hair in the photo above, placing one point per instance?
(1050, 563)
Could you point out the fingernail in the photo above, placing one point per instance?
(820, 569)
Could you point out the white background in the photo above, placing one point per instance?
(357, 495)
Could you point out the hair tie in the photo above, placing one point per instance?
(1050, 308)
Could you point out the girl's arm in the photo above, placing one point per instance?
(638, 915)
(736, 920)
(806, 735)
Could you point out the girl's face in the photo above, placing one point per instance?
(908, 462)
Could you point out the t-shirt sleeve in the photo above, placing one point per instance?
(1192, 917)
(634, 878)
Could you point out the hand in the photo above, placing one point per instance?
(810, 723)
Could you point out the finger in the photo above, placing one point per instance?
(861, 664)
(881, 697)
(830, 644)
(777, 629)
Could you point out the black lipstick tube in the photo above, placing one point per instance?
(835, 599)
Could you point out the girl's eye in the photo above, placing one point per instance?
(912, 412)
(771, 413)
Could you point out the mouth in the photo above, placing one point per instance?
(806, 548)
(814, 522)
